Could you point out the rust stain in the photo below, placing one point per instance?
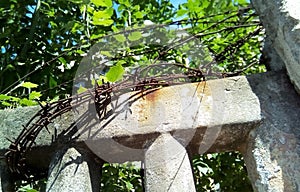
(149, 106)
(150, 100)
(145, 106)
(202, 88)
(152, 97)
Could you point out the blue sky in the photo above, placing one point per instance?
(177, 2)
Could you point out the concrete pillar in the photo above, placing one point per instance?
(167, 166)
(273, 152)
(68, 173)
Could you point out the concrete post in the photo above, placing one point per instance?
(167, 166)
(69, 173)
(273, 151)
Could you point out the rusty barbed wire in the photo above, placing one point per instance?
(101, 97)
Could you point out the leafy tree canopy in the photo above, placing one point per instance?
(43, 42)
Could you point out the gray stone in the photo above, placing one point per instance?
(69, 173)
(281, 19)
(167, 166)
(12, 121)
(273, 151)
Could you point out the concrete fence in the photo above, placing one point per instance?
(166, 127)
(257, 115)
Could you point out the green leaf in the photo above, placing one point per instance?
(115, 73)
(114, 29)
(96, 36)
(10, 67)
(181, 12)
(7, 104)
(52, 82)
(136, 7)
(35, 95)
(134, 36)
(103, 22)
(62, 60)
(138, 15)
(103, 17)
(29, 85)
(125, 2)
(27, 102)
(27, 188)
(103, 3)
(120, 38)
(81, 89)
(101, 80)
(80, 52)
(129, 186)
(106, 53)
(106, 14)
(4, 97)
(31, 190)
(243, 2)
(16, 99)
(77, 27)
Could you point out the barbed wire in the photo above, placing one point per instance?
(101, 97)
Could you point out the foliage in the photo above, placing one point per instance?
(212, 172)
(31, 187)
(223, 171)
(43, 42)
(121, 177)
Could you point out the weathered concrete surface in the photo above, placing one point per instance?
(273, 153)
(69, 173)
(281, 19)
(167, 166)
(11, 121)
(216, 115)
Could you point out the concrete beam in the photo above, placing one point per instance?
(210, 116)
